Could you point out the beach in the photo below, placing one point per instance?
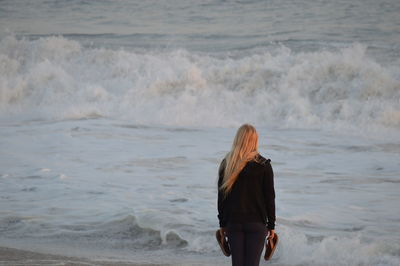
(115, 116)
(10, 256)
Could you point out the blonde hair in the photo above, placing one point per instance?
(244, 149)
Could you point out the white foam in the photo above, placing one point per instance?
(56, 78)
(63, 176)
(295, 248)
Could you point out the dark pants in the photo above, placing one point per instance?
(246, 242)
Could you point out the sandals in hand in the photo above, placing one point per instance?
(223, 243)
(270, 247)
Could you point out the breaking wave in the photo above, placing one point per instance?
(123, 232)
(57, 78)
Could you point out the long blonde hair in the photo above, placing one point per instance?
(244, 149)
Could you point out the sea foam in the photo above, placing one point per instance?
(57, 78)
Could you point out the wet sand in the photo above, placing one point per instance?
(11, 256)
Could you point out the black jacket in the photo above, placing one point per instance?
(252, 198)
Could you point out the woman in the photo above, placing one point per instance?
(246, 198)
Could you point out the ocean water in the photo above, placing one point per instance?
(114, 116)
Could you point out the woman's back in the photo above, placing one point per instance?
(252, 196)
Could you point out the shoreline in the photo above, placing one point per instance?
(13, 256)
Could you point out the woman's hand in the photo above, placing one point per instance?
(222, 231)
(271, 234)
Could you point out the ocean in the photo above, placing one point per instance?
(115, 115)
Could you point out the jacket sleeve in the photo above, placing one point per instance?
(269, 194)
(221, 198)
